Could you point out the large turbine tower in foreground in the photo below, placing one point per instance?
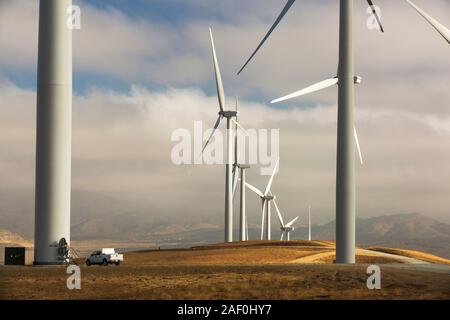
(53, 136)
(345, 168)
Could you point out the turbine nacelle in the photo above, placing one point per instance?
(228, 114)
(243, 166)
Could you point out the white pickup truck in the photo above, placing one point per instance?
(104, 257)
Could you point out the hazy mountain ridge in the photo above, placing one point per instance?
(10, 238)
(409, 231)
(393, 228)
(120, 217)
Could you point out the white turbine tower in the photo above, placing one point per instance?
(243, 227)
(445, 32)
(229, 115)
(53, 133)
(266, 198)
(309, 223)
(287, 228)
(246, 228)
(345, 168)
(239, 170)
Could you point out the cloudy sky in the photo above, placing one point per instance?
(143, 69)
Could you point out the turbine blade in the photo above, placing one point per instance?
(375, 13)
(269, 184)
(219, 84)
(254, 189)
(280, 218)
(216, 125)
(445, 32)
(315, 87)
(358, 146)
(280, 17)
(290, 223)
(235, 178)
(240, 126)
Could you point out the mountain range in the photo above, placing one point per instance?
(408, 231)
(113, 217)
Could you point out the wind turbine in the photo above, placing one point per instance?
(287, 228)
(345, 167)
(309, 223)
(229, 115)
(438, 26)
(266, 198)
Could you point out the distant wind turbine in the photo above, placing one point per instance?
(309, 223)
(229, 115)
(266, 198)
(287, 228)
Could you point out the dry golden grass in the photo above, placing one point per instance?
(220, 282)
(267, 252)
(269, 270)
(328, 257)
(412, 254)
(229, 256)
(265, 243)
(251, 252)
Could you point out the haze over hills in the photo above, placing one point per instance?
(409, 231)
(10, 238)
(107, 217)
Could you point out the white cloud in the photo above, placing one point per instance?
(18, 34)
(121, 145)
(408, 64)
(122, 141)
